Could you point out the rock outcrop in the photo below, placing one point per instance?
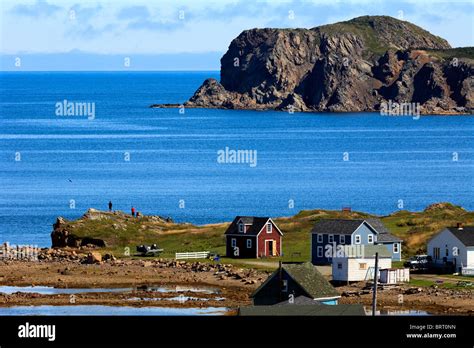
(344, 67)
(62, 237)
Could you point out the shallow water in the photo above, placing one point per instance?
(398, 312)
(48, 290)
(89, 310)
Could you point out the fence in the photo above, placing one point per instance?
(192, 255)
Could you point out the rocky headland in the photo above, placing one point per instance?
(353, 66)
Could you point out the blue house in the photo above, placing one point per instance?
(328, 234)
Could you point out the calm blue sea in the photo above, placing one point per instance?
(70, 163)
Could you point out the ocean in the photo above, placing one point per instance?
(166, 162)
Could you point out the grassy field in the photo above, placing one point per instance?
(444, 285)
(122, 233)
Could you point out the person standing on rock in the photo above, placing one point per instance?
(110, 205)
(133, 211)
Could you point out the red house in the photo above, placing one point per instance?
(251, 237)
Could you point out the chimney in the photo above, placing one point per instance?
(459, 226)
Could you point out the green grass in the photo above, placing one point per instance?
(122, 231)
(376, 46)
(423, 283)
(459, 52)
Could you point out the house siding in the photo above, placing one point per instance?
(351, 268)
(389, 246)
(446, 241)
(244, 252)
(315, 260)
(363, 231)
(263, 238)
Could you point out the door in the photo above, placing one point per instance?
(270, 248)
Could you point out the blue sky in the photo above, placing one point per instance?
(199, 29)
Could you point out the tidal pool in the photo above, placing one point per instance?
(100, 310)
(49, 290)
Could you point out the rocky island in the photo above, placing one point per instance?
(351, 66)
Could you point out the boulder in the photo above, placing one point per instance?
(94, 257)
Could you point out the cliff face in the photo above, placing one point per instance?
(344, 67)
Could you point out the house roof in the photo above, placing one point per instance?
(299, 300)
(378, 225)
(336, 226)
(345, 226)
(309, 278)
(387, 237)
(466, 235)
(384, 234)
(370, 250)
(256, 224)
(303, 310)
(357, 251)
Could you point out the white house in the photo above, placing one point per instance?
(360, 265)
(454, 245)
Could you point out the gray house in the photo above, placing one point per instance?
(328, 234)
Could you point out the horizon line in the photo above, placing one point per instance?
(131, 70)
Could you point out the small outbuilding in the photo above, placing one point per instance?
(358, 263)
(394, 275)
(292, 280)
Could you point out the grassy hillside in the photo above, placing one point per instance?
(120, 230)
(466, 53)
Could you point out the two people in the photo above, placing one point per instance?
(134, 212)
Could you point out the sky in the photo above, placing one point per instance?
(185, 34)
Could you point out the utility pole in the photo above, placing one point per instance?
(280, 281)
(376, 271)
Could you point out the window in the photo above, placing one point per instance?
(233, 242)
(370, 238)
(447, 252)
(320, 251)
(362, 266)
(241, 227)
(320, 238)
(339, 265)
(269, 228)
(249, 243)
(395, 248)
(284, 285)
(436, 253)
(342, 239)
(357, 239)
(331, 238)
